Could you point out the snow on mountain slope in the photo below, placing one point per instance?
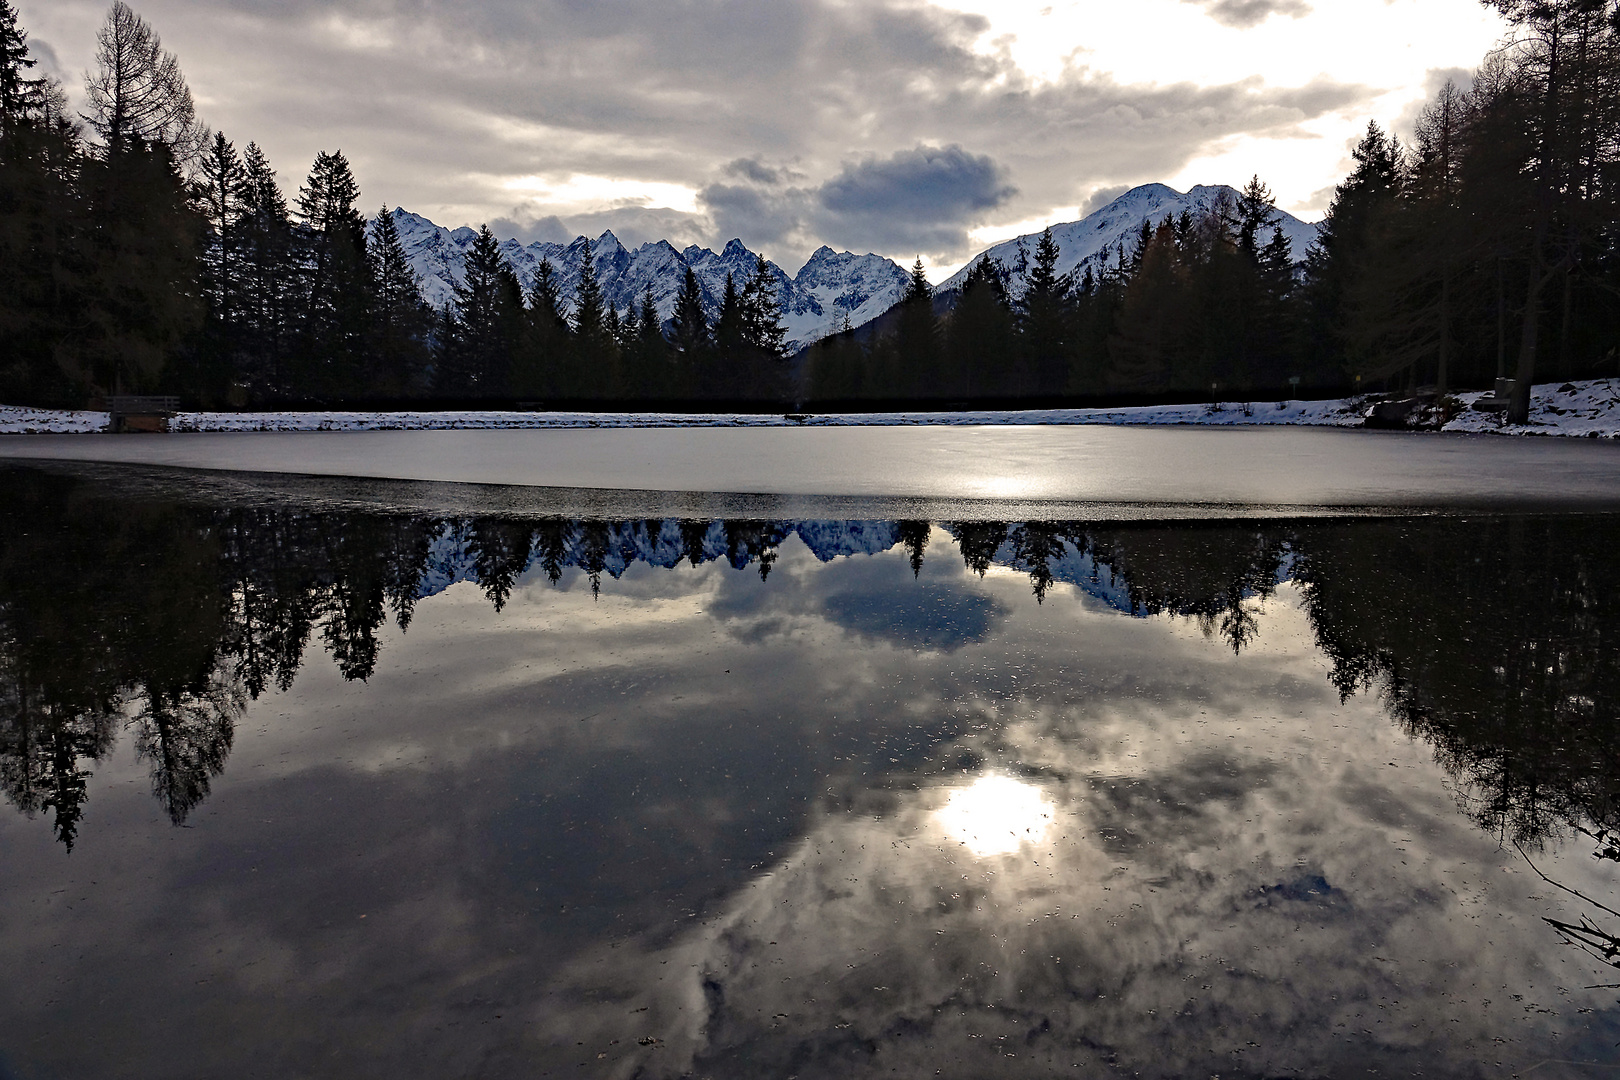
(1082, 243)
(611, 548)
(830, 288)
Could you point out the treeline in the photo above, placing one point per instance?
(1489, 247)
(1199, 303)
(140, 252)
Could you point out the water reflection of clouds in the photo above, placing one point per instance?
(1218, 890)
(1259, 925)
(750, 837)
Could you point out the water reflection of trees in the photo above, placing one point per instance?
(1491, 639)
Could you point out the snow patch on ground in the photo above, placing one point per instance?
(1589, 409)
(21, 420)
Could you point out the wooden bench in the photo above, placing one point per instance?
(130, 412)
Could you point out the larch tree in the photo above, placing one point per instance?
(137, 93)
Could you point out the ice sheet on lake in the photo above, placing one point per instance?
(1590, 409)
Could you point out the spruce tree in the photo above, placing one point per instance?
(222, 196)
(399, 316)
(1043, 321)
(980, 336)
(1345, 243)
(487, 309)
(21, 97)
(647, 367)
(721, 376)
(762, 313)
(689, 333)
(44, 232)
(268, 303)
(338, 287)
(917, 344)
(595, 351)
(542, 359)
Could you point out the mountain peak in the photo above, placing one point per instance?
(1083, 242)
(815, 303)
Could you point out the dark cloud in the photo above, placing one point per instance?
(901, 133)
(761, 214)
(754, 170)
(633, 225)
(923, 199)
(1102, 197)
(1242, 14)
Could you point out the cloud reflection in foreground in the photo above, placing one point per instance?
(996, 815)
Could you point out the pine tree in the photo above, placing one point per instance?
(689, 334)
(762, 313)
(720, 376)
(21, 97)
(1044, 321)
(338, 288)
(487, 307)
(596, 353)
(980, 336)
(542, 359)
(268, 304)
(399, 316)
(916, 359)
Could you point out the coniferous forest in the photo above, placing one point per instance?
(141, 252)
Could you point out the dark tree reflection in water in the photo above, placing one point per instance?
(1494, 641)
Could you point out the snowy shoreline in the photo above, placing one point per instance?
(1587, 409)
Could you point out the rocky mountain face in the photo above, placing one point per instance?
(831, 287)
(611, 548)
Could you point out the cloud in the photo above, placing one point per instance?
(1243, 14)
(922, 200)
(761, 215)
(872, 124)
(48, 66)
(633, 225)
(1102, 197)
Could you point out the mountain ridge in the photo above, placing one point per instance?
(831, 289)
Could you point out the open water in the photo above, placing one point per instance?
(421, 781)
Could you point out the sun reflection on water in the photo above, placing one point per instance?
(995, 815)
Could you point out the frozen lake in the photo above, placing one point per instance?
(1248, 467)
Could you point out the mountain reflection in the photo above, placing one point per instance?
(1492, 639)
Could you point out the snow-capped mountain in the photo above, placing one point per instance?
(611, 548)
(1082, 243)
(831, 287)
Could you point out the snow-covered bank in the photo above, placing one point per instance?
(1590, 409)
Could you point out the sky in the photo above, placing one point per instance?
(910, 129)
